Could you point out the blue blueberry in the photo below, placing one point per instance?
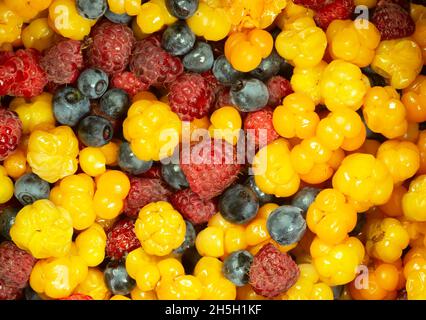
(249, 95)
(70, 105)
(7, 219)
(189, 259)
(199, 59)
(304, 198)
(114, 103)
(128, 162)
(238, 204)
(117, 279)
(261, 196)
(30, 188)
(189, 239)
(91, 9)
(236, 267)
(178, 39)
(118, 18)
(174, 176)
(95, 131)
(93, 83)
(224, 72)
(269, 67)
(286, 225)
(182, 9)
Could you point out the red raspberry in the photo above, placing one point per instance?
(15, 265)
(278, 88)
(63, 62)
(10, 293)
(210, 168)
(223, 98)
(212, 80)
(152, 64)
(153, 173)
(10, 132)
(111, 47)
(311, 4)
(405, 4)
(77, 296)
(261, 119)
(336, 10)
(21, 74)
(272, 272)
(143, 191)
(192, 207)
(121, 239)
(128, 82)
(191, 96)
(393, 21)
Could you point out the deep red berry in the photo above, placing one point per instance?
(192, 207)
(153, 173)
(405, 4)
(143, 191)
(212, 80)
(9, 293)
(278, 88)
(393, 21)
(261, 120)
(10, 132)
(210, 167)
(78, 296)
(152, 64)
(272, 272)
(128, 82)
(336, 10)
(311, 4)
(223, 98)
(121, 239)
(15, 265)
(63, 62)
(111, 47)
(21, 74)
(191, 96)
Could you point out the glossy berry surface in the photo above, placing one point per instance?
(224, 72)
(91, 9)
(114, 103)
(70, 105)
(174, 176)
(93, 83)
(95, 131)
(304, 198)
(30, 188)
(178, 39)
(128, 162)
(249, 95)
(117, 18)
(117, 279)
(236, 267)
(238, 204)
(199, 59)
(7, 219)
(261, 196)
(286, 225)
(189, 241)
(182, 9)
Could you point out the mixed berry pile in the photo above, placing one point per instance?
(199, 149)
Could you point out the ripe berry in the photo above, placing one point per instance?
(249, 95)
(91, 9)
(70, 105)
(30, 294)
(63, 62)
(189, 239)
(286, 225)
(236, 267)
(111, 47)
(121, 239)
(118, 18)
(304, 198)
(178, 39)
(269, 67)
(117, 279)
(278, 88)
(30, 188)
(199, 59)
(7, 219)
(153, 65)
(128, 162)
(259, 125)
(128, 82)
(182, 9)
(174, 176)
(95, 131)
(114, 103)
(10, 133)
(93, 83)
(311, 4)
(224, 72)
(261, 196)
(393, 21)
(191, 96)
(334, 10)
(238, 204)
